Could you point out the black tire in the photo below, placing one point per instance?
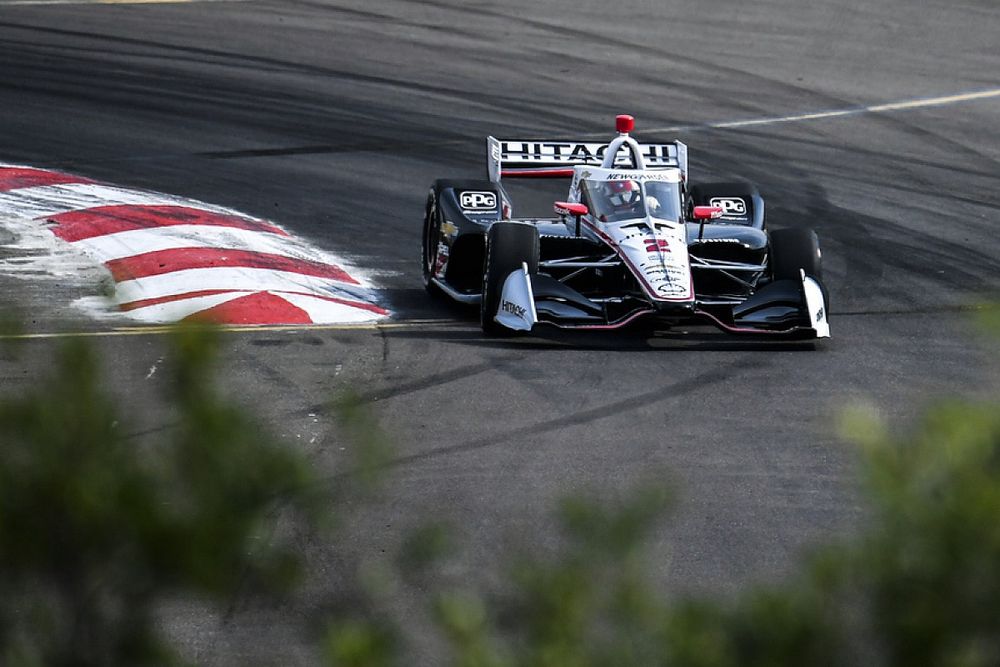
(793, 250)
(430, 238)
(508, 245)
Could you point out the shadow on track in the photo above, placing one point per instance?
(621, 341)
(635, 338)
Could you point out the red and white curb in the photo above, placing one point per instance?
(174, 259)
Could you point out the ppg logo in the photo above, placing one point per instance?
(478, 201)
(731, 206)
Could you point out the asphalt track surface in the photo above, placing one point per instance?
(332, 118)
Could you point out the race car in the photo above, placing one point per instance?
(633, 240)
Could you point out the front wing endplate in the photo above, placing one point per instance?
(517, 302)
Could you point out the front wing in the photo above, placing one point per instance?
(786, 307)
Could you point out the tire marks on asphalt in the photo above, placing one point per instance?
(516, 437)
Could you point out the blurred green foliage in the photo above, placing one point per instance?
(930, 564)
(98, 528)
(919, 584)
(360, 643)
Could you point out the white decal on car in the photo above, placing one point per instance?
(731, 206)
(478, 201)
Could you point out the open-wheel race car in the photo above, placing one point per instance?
(633, 240)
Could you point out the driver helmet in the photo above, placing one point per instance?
(621, 194)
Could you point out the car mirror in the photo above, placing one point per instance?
(577, 210)
(707, 212)
(565, 208)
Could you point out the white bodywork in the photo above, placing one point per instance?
(654, 249)
(658, 256)
(816, 306)
(517, 303)
(527, 154)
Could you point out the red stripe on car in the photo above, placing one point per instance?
(537, 172)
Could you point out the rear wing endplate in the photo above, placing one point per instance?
(554, 159)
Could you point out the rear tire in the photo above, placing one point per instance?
(431, 238)
(793, 250)
(508, 245)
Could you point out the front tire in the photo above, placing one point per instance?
(508, 245)
(793, 250)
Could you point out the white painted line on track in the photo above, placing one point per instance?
(903, 105)
(935, 101)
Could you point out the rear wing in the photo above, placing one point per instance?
(555, 159)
